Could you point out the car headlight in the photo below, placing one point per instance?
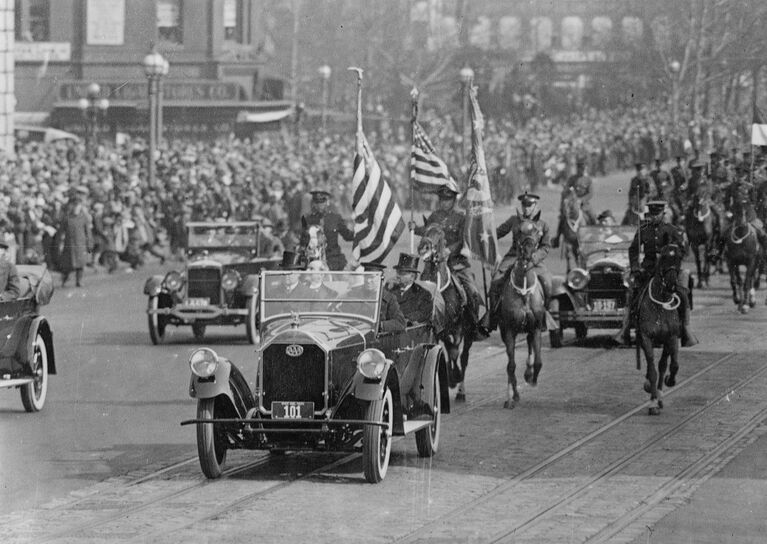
(173, 280)
(577, 278)
(230, 280)
(371, 363)
(203, 362)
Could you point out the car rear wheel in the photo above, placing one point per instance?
(211, 445)
(555, 335)
(427, 440)
(250, 324)
(33, 394)
(376, 440)
(156, 322)
(198, 329)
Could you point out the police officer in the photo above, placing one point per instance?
(580, 183)
(529, 214)
(332, 225)
(453, 222)
(652, 235)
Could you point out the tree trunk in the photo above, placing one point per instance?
(755, 71)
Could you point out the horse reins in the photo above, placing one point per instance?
(740, 240)
(671, 304)
(524, 290)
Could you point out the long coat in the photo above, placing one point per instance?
(75, 239)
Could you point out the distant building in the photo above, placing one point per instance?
(6, 76)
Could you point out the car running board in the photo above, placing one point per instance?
(413, 426)
(18, 382)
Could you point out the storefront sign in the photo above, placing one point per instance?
(106, 22)
(190, 91)
(42, 51)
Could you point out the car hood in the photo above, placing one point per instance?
(618, 259)
(328, 333)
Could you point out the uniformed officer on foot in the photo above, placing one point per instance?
(652, 236)
(332, 225)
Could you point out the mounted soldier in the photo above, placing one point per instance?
(664, 188)
(332, 225)
(580, 183)
(453, 223)
(740, 200)
(650, 238)
(530, 219)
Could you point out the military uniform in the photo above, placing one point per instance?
(333, 226)
(580, 184)
(664, 188)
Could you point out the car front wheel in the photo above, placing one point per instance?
(250, 324)
(427, 440)
(376, 440)
(33, 394)
(211, 445)
(156, 322)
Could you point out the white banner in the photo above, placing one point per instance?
(106, 22)
(758, 134)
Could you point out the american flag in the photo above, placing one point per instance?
(378, 221)
(428, 172)
(479, 237)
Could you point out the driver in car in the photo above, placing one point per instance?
(390, 316)
(9, 277)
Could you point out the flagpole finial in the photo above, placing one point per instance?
(358, 70)
(414, 93)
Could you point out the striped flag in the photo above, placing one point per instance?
(479, 237)
(758, 128)
(378, 221)
(428, 173)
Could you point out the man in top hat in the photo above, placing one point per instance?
(530, 215)
(390, 316)
(332, 225)
(414, 301)
(10, 284)
(653, 235)
(580, 183)
(452, 222)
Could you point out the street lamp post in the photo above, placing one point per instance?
(324, 72)
(92, 108)
(467, 76)
(155, 66)
(674, 67)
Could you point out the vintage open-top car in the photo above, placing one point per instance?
(325, 377)
(219, 283)
(26, 349)
(594, 293)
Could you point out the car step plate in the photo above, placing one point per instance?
(292, 410)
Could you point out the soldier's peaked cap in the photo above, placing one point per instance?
(320, 195)
(656, 206)
(528, 198)
(446, 192)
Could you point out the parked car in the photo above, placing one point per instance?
(26, 348)
(325, 377)
(594, 293)
(219, 283)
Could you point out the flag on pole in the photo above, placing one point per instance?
(428, 173)
(378, 221)
(479, 236)
(758, 128)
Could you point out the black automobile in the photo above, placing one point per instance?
(219, 284)
(326, 379)
(26, 348)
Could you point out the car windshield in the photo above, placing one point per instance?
(224, 235)
(318, 292)
(600, 242)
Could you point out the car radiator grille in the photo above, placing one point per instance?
(288, 378)
(607, 285)
(204, 283)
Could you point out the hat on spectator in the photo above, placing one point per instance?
(580, 160)
(528, 198)
(407, 263)
(291, 261)
(655, 207)
(714, 155)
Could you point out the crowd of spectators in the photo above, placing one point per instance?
(269, 176)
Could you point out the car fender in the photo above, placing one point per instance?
(369, 390)
(41, 325)
(153, 286)
(249, 285)
(227, 380)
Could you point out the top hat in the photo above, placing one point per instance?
(373, 267)
(407, 263)
(291, 261)
(528, 198)
(446, 193)
(655, 207)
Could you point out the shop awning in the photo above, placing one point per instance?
(264, 116)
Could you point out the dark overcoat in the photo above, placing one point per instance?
(75, 240)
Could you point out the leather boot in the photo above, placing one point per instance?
(688, 337)
(495, 302)
(623, 337)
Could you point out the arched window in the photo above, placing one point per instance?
(572, 33)
(509, 33)
(540, 33)
(601, 31)
(481, 33)
(632, 29)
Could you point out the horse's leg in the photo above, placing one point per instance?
(467, 342)
(512, 395)
(752, 274)
(734, 279)
(662, 367)
(530, 360)
(698, 265)
(537, 362)
(670, 380)
(651, 376)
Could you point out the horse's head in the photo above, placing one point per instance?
(668, 265)
(432, 245)
(314, 242)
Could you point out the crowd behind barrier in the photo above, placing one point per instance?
(119, 216)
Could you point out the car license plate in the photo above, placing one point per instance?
(292, 410)
(197, 301)
(604, 304)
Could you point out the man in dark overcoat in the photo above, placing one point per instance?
(414, 301)
(75, 238)
(390, 316)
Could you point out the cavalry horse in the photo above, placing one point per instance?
(658, 324)
(312, 243)
(458, 332)
(573, 219)
(634, 212)
(699, 226)
(742, 248)
(522, 312)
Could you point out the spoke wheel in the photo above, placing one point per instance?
(211, 444)
(252, 319)
(376, 441)
(33, 394)
(198, 329)
(427, 440)
(156, 322)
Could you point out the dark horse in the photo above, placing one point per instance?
(522, 312)
(658, 324)
(742, 248)
(573, 218)
(458, 333)
(699, 226)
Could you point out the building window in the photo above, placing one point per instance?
(632, 29)
(233, 19)
(541, 33)
(32, 18)
(169, 22)
(510, 33)
(572, 33)
(602, 29)
(481, 34)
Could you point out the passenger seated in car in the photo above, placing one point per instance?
(414, 301)
(10, 283)
(317, 290)
(390, 316)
